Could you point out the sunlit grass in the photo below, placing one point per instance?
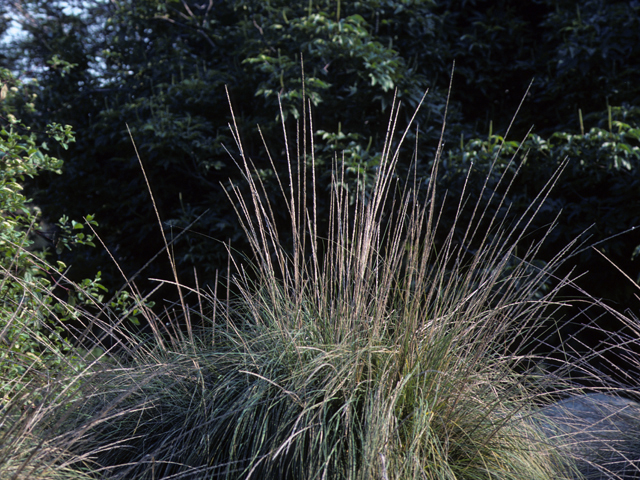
(380, 348)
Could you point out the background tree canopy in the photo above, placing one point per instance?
(159, 68)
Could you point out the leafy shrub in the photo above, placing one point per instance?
(595, 198)
(163, 66)
(30, 310)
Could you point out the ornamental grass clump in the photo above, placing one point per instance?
(374, 346)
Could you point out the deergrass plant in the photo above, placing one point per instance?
(377, 348)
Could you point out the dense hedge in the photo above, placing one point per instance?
(160, 67)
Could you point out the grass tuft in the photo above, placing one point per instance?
(374, 346)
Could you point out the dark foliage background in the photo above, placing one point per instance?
(160, 67)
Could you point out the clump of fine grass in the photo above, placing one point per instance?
(369, 350)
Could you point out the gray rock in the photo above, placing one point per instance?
(601, 432)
